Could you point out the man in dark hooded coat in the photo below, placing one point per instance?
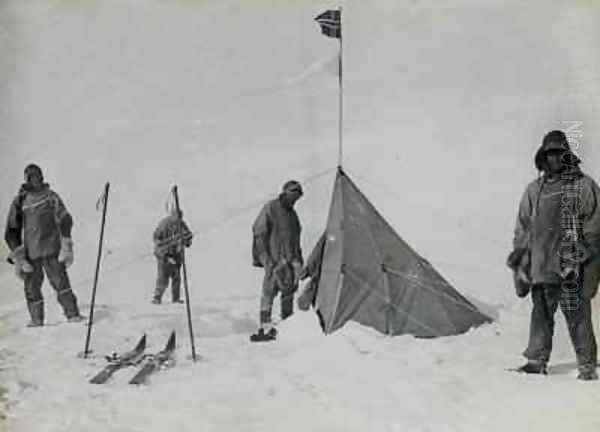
(556, 255)
(276, 248)
(38, 233)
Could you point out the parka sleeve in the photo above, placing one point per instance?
(14, 225)
(157, 233)
(62, 216)
(591, 216)
(299, 255)
(261, 230)
(523, 225)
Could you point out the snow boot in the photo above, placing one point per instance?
(36, 312)
(68, 301)
(533, 367)
(33, 323)
(587, 373)
(262, 336)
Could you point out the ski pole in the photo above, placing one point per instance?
(185, 280)
(104, 201)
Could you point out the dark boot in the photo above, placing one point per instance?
(265, 324)
(262, 336)
(68, 301)
(36, 312)
(587, 373)
(534, 367)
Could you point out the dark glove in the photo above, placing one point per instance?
(514, 258)
(284, 276)
(297, 268)
(307, 297)
(267, 263)
(519, 261)
(522, 283)
(22, 266)
(591, 277)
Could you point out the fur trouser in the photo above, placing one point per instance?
(546, 299)
(168, 271)
(57, 275)
(271, 287)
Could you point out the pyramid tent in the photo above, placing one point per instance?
(367, 273)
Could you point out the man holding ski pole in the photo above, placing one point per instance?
(170, 237)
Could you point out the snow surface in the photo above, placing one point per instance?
(444, 109)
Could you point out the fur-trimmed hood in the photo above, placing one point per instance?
(555, 140)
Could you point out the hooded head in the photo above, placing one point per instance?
(33, 176)
(555, 143)
(291, 192)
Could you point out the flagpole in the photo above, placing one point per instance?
(341, 97)
(104, 201)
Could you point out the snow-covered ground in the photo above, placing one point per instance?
(444, 108)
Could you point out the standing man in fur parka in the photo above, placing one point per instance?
(38, 233)
(556, 255)
(276, 248)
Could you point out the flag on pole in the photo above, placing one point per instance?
(331, 24)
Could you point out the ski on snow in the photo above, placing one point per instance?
(155, 362)
(116, 362)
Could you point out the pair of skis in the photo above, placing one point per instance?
(150, 362)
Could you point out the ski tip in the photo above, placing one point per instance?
(136, 381)
(96, 380)
(171, 342)
(141, 344)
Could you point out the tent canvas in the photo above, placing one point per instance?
(370, 275)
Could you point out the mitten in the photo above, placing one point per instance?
(267, 263)
(66, 251)
(297, 267)
(520, 263)
(22, 266)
